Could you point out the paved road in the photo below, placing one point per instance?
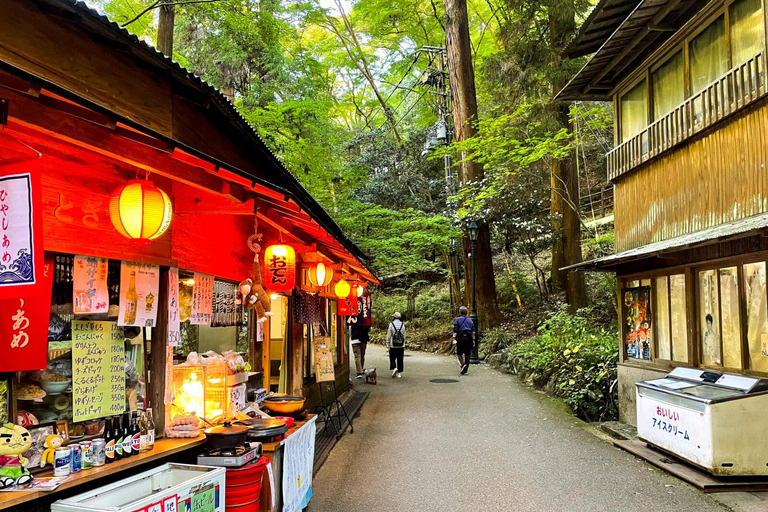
(485, 443)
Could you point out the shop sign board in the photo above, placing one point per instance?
(202, 300)
(139, 286)
(174, 330)
(324, 369)
(98, 369)
(364, 309)
(90, 293)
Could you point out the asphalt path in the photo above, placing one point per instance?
(483, 443)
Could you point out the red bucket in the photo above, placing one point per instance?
(244, 487)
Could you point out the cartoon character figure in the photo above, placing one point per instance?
(51, 443)
(14, 442)
(149, 300)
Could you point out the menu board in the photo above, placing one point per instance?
(202, 300)
(324, 370)
(98, 369)
(90, 294)
(174, 330)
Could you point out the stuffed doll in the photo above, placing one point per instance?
(51, 443)
(14, 442)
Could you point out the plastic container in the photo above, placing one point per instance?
(244, 486)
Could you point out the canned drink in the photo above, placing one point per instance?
(77, 457)
(87, 448)
(62, 461)
(99, 452)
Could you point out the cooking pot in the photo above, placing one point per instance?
(226, 435)
(284, 404)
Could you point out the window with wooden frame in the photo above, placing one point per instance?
(732, 304)
(634, 110)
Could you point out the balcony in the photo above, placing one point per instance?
(733, 91)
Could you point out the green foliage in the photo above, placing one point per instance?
(511, 284)
(575, 360)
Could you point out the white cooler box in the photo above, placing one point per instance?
(714, 420)
(168, 488)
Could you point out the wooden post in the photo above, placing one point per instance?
(157, 357)
(165, 23)
(296, 354)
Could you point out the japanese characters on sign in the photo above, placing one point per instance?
(174, 332)
(348, 305)
(21, 250)
(279, 268)
(364, 309)
(202, 300)
(90, 293)
(98, 369)
(139, 285)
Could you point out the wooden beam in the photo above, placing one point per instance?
(210, 204)
(14, 83)
(281, 229)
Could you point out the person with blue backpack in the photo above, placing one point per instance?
(396, 344)
(464, 338)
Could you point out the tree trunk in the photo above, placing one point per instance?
(556, 211)
(464, 103)
(165, 23)
(565, 181)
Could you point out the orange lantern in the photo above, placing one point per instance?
(342, 289)
(279, 268)
(320, 274)
(140, 211)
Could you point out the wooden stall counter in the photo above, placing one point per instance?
(163, 448)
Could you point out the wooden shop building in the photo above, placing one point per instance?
(687, 79)
(93, 120)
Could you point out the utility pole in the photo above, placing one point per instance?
(165, 23)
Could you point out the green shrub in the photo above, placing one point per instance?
(506, 283)
(495, 340)
(575, 360)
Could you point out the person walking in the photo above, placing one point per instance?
(360, 336)
(464, 336)
(396, 344)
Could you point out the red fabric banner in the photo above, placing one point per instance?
(348, 305)
(24, 323)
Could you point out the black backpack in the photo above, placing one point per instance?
(464, 336)
(398, 338)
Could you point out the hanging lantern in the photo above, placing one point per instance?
(360, 290)
(320, 274)
(342, 289)
(279, 268)
(140, 211)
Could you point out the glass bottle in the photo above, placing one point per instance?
(143, 433)
(110, 442)
(127, 436)
(131, 301)
(118, 438)
(135, 433)
(150, 430)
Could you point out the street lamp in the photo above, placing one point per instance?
(473, 232)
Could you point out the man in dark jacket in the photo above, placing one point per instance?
(464, 336)
(359, 336)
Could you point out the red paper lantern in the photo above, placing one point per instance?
(320, 274)
(279, 268)
(140, 211)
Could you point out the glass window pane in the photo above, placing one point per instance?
(757, 314)
(633, 284)
(708, 55)
(661, 317)
(637, 328)
(668, 86)
(731, 319)
(678, 318)
(709, 318)
(746, 18)
(634, 111)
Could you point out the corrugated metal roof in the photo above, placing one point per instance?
(731, 230)
(293, 186)
(604, 19)
(642, 32)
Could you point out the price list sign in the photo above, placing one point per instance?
(98, 369)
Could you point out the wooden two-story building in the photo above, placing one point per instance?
(687, 80)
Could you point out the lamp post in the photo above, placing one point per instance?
(473, 232)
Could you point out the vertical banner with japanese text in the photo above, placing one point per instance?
(348, 305)
(202, 300)
(364, 309)
(24, 324)
(89, 288)
(98, 369)
(139, 285)
(174, 331)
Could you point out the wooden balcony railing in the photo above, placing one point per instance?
(731, 92)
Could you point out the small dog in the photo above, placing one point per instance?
(370, 376)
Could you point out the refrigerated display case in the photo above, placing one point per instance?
(711, 419)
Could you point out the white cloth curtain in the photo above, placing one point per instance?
(731, 318)
(708, 55)
(661, 318)
(757, 316)
(668, 86)
(634, 111)
(679, 318)
(746, 20)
